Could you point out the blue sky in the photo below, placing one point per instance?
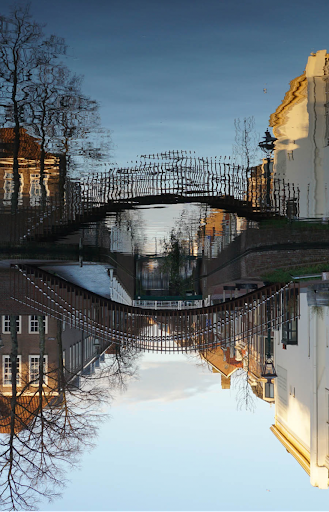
(175, 74)
(176, 441)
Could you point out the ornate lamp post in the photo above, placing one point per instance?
(268, 370)
(267, 145)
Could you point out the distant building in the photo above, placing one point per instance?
(79, 352)
(222, 361)
(29, 169)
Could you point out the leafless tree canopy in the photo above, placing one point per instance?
(245, 148)
(40, 95)
(50, 421)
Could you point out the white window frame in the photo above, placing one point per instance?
(35, 188)
(5, 319)
(45, 382)
(8, 188)
(45, 321)
(19, 357)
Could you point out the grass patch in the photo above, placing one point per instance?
(282, 275)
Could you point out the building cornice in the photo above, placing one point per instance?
(292, 445)
(296, 93)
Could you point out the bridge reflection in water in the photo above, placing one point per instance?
(249, 192)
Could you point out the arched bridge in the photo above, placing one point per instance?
(186, 330)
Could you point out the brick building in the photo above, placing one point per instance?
(29, 169)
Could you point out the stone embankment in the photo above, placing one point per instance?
(257, 252)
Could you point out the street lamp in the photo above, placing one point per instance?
(268, 370)
(267, 145)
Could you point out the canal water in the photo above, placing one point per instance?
(164, 313)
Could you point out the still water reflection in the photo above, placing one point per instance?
(176, 255)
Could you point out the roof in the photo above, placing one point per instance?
(29, 146)
(216, 359)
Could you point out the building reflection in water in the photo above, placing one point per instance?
(301, 126)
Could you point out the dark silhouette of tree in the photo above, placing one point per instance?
(176, 251)
(76, 122)
(22, 50)
(120, 366)
(40, 95)
(245, 147)
(50, 418)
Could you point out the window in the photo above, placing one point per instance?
(6, 371)
(35, 188)
(290, 310)
(9, 188)
(290, 333)
(34, 324)
(6, 324)
(34, 369)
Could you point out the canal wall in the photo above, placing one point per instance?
(257, 252)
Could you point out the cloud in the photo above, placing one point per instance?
(167, 382)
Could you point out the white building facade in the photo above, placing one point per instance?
(301, 125)
(302, 390)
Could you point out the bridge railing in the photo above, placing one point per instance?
(154, 329)
(191, 179)
(194, 178)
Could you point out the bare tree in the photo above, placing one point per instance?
(245, 147)
(46, 423)
(245, 397)
(22, 50)
(76, 123)
(120, 366)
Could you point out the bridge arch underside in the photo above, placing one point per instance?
(192, 330)
(241, 207)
